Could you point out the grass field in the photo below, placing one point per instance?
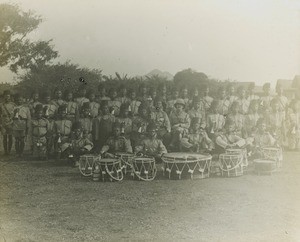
(50, 201)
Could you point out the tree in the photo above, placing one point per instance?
(190, 78)
(16, 50)
(64, 76)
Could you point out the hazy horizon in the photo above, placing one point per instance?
(238, 40)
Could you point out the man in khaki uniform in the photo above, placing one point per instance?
(39, 130)
(6, 121)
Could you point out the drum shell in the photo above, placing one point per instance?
(108, 165)
(231, 165)
(142, 165)
(195, 167)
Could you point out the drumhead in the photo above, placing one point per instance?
(179, 156)
(108, 160)
(145, 159)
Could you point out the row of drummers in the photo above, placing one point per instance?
(231, 153)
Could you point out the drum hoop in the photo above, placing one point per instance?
(145, 159)
(188, 158)
(231, 155)
(109, 161)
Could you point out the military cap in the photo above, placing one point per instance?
(179, 101)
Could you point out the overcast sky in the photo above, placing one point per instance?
(253, 40)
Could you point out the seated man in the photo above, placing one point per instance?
(116, 143)
(197, 140)
(151, 145)
(78, 145)
(228, 138)
(262, 138)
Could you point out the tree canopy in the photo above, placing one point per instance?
(17, 51)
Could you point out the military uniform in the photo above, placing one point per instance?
(224, 141)
(196, 142)
(134, 107)
(294, 130)
(123, 100)
(102, 129)
(214, 124)
(277, 125)
(232, 99)
(72, 111)
(50, 111)
(77, 147)
(252, 97)
(62, 130)
(94, 109)
(223, 106)
(6, 115)
(139, 128)
(200, 114)
(80, 101)
(283, 102)
(21, 121)
(180, 121)
(251, 121)
(126, 124)
(244, 105)
(39, 129)
(239, 123)
(265, 101)
(87, 127)
(57, 102)
(161, 119)
(32, 104)
(151, 147)
(114, 106)
(207, 101)
(118, 144)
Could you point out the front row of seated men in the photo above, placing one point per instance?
(70, 140)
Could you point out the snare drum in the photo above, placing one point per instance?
(109, 169)
(144, 168)
(264, 166)
(243, 152)
(179, 165)
(126, 159)
(86, 163)
(273, 153)
(231, 165)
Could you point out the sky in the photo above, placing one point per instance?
(253, 40)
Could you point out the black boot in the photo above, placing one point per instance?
(9, 144)
(17, 146)
(5, 144)
(21, 146)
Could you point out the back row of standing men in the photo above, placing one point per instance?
(183, 121)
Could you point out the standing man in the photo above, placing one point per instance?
(6, 115)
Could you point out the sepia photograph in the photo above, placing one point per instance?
(149, 120)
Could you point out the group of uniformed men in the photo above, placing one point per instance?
(151, 123)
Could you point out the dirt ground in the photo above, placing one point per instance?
(51, 201)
